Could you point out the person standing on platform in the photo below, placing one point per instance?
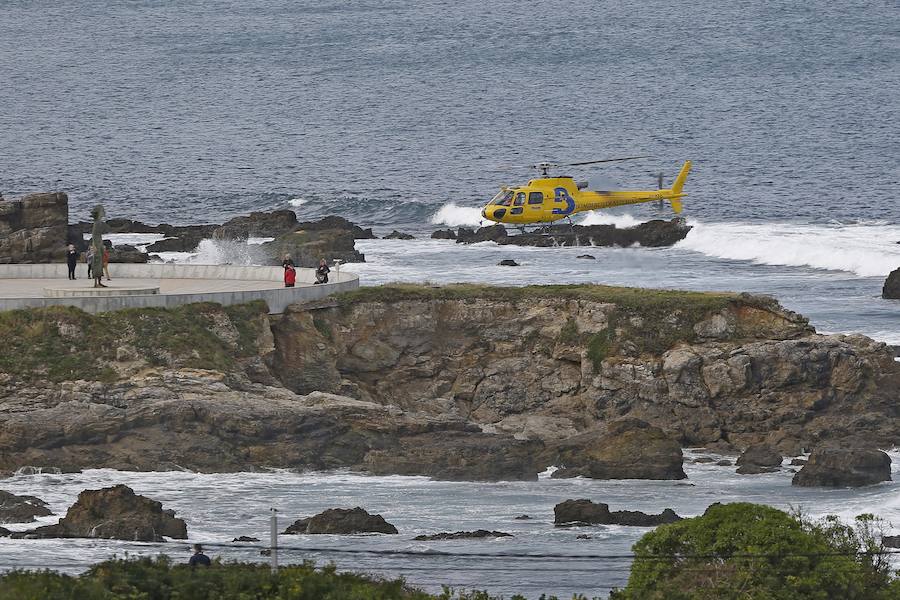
(106, 262)
(71, 260)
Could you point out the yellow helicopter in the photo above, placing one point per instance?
(547, 199)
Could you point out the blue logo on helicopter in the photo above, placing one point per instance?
(562, 195)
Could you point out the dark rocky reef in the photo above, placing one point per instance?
(586, 512)
(653, 233)
(113, 513)
(343, 521)
(399, 235)
(478, 534)
(844, 467)
(21, 509)
(891, 289)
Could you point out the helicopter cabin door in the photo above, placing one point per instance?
(518, 205)
(535, 205)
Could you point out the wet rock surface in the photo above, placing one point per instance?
(114, 513)
(21, 509)
(759, 458)
(344, 521)
(891, 289)
(462, 535)
(653, 233)
(257, 224)
(443, 234)
(399, 235)
(576, 512)
(844, 467)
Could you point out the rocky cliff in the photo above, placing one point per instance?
(34, 229)
(457, 382)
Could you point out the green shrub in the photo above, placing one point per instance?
(748, 551)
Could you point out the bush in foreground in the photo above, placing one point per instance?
(747, 551)
(159, 579)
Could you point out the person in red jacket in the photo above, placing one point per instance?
(290, 276)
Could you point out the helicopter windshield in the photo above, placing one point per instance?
(503, 198)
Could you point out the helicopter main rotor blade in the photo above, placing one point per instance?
(605, 160)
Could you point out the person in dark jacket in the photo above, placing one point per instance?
(71, 260)
(199, 558)
(288, 262)
(322, 272)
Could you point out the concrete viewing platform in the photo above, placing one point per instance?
(161, 285)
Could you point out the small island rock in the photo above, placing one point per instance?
(343, 521)
(891, 288)
(844, 467)
(21, 509)
(462, 535)
(584, 511)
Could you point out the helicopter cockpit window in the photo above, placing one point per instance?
(520, 199)
(535, 198)
(503, 198)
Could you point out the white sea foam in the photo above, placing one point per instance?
(297, 202)
(867, 250)
(601, 218)
(455, 215)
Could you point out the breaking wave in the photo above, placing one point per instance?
(453, 215)
(865, 249)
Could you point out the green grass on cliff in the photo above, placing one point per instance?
(160, 579)
(664, 317)
(62, 343)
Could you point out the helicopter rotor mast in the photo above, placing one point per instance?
(544, 167)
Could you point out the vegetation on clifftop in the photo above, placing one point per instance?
(63, 343)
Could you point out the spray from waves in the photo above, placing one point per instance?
(219, 252)
(602, 218)
(454, 215)
(297, 202)
(865, 249)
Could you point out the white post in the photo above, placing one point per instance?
(273, 540)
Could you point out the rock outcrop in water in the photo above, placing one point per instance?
(114, 513)
(344, 521)
(478, 534)
(653, 233)
(758, 458)
(891, 288)
(586, 512)
(458, 382)
(844, 467)
(21, 509)
(34, 229)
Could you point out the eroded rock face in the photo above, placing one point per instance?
(653, 233)
(844, 467)
(34, 229)
(572, 512)
(114, 513)
(343, 521)
(891, 288)
(629, 449)
(257, 224)
(308, 246)
(21, 509)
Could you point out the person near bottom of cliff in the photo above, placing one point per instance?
(322, 272)
(106, 262)
(290, 276)
(71, 260)
(199, 558)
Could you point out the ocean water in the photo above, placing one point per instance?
(397, 114)
(218, 508)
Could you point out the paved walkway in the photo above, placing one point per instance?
(34, 288)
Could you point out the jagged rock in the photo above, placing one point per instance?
(114, 513)
(443, 234)
(724, 463)
(492, 233)
(891, 289)
(308, 246)
(245, 538)
(125, 253)
(343, 521)
(587, 256)
(462, 535)
(759, 458)
(704, 459)
(186, 243)
(257, 224)
(508, 262)
(583, 536)
(21, 509)
(844, 467)
(4, 532)
(34, 229)
(629, 449)
(798, 462)
(399, 235)
(334, 222)
(587, 512)
(523, 518)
